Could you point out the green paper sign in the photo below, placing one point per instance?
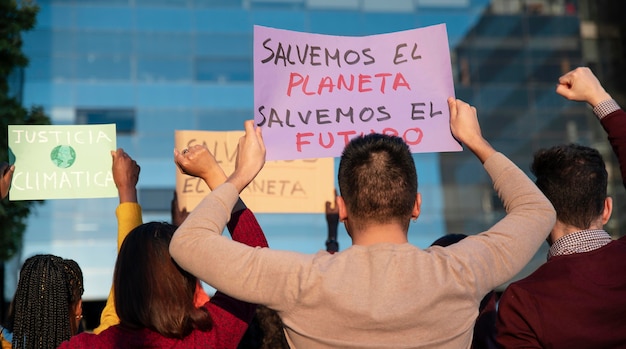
(61, 162)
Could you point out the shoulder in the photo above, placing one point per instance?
(81, 340)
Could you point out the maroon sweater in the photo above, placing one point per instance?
(230, 316)
(615, 126)
(571, 301)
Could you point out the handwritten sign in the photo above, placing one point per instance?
(313, 92)
(61, 162)
(296, 186)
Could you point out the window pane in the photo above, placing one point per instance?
(163, 19)
(104, 17)
(223, 69)
(103, 42)
(95, 66)
(124, 119)
(224, 45)
(160, 69)
(163, 44)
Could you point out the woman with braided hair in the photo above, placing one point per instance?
(47, 307)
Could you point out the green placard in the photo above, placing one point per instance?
(61, 162)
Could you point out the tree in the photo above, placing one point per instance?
(15, 18)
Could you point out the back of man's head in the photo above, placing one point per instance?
(378, 180)
(574, 178)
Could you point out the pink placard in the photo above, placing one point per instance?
(313, 92)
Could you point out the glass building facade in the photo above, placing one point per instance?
(154, 66)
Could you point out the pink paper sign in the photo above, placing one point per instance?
(313, 92)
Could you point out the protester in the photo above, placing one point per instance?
(381, 292)
(153, 297)
(576, 299)
(47, 307)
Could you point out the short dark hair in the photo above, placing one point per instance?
(574, 178)
(48, 289)
(377, 179)
(151, 290)
(448, 239)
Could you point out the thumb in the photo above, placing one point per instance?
(564, 90)
(452, 106)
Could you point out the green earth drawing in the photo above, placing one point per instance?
(63, 156)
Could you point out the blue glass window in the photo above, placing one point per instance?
(124, 119)
(160, 121)
(104, 17)
(218, 20)
(93, 66)
(110, 42)
(163, 19)
(163, 44)
(224, 45)
(163, 69)
(223, 69)
(222, 120)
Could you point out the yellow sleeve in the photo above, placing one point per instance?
(128, 218)
(5, 343)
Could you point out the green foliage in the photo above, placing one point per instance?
(14, 19)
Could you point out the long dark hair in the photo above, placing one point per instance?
(151, 290)
(48, 290)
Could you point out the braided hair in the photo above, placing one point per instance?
(48, 290)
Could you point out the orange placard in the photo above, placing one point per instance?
(294, 186)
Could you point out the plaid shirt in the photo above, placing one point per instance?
(605, 108)
(579, 242)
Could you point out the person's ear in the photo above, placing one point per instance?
(417, 207)
(76, 317)
(608, 209)
(78, 309)
(343, 211)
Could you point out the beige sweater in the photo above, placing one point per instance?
(380, 296)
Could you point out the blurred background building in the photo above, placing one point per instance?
(154, 66)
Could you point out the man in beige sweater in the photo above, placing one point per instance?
(381, 292)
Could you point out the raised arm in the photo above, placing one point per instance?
(198, 161)
(6, 173)
(229, 266)
(465, 128)
(582, 85)
(128, 213)
(243, 226)
(498, 254)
